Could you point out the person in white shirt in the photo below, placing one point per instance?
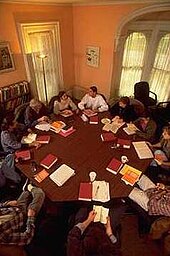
(94, 101)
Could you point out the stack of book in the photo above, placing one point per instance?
(62, 174)
(66, 131)
(57, 126)
(130, 175)
(48, 161)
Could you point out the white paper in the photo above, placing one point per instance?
(29, 138)
(62, 174)
(100, 191)
(43, 127)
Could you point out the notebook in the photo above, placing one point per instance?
(108, 136)
(85, 191)
(94, 120)
(48, 161)
(43, 139)
(23, 154)
(101, 214)
(62, 174)
(114, 166)
(41, 175)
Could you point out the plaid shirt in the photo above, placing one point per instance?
(159, 201)
(11, 231)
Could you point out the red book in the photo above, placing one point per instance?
(48, 161)
(43, 139)
(114, 166)
(108, 136)
(94, 120)
(85, 191)
(23, 154)
(67, 133)
(124, 143)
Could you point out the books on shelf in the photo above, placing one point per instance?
(29, 138)
(124, 143)
(48, 161)
(114, 166)
(130, 174)
(43, 139)
(142, 149)
(85, 191)
(94, 120)
(89, 112)
(100, 191)
(102, 214)
(62, 174)
(108, 136)
(57, 126)
(67, 133)
(23, 154)
(40, 176)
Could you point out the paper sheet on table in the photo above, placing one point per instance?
(142, 149)
(43, 126)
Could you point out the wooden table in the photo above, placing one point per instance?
(84, 151)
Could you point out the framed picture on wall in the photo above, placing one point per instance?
(93, 56)
(6, 59)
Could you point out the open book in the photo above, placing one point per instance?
(101, 213)
(142, 149)
(29, 138)
(89, 112)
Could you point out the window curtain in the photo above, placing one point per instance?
(43, 42)
(160, 75)
(133, 61)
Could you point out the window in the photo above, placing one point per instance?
(133, 59)
(160, 75)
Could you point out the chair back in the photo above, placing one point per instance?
(142, 93)
(20, 113)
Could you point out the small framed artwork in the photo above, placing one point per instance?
(6, 60)
(93, 56)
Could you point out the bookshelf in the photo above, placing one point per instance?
(13, 95)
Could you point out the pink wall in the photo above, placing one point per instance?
(96, 26)
(11, 14)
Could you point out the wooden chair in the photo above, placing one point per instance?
(143, 94)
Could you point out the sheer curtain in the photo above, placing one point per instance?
(133, 61)
(160, 75)
(43, 42)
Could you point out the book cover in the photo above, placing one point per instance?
(130, 174)
(57, 126)
(114, 166)
(48, 161)
(62, 174)
(67, 133)
(89, 112)
(94, 120)
(85, 191)
(124, 143)
(66, 113)
(41, 175)
(23, 154)
(101, 214)
(108, 136)
(43, 139)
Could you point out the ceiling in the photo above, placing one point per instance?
(88, 2)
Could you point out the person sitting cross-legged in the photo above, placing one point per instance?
(17, 218)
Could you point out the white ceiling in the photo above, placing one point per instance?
(88, 2)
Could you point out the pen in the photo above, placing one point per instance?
(97, 189)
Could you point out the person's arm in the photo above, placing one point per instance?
(83, 102)
(103, 105)
(72, 105)
(149, 133)
(10, 142)
(74, 245)
(109, 231)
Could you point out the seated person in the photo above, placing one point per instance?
(9, 140)
(64, 104)
(162, 152)
(124, 110)
(18, 217)
(154, 199)
(35, 113)
(94, 101)
(146, 126)
(94, 238)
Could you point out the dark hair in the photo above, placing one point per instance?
(6, 123)
(61, 93)
(125, 100)
(146, 114)
(94, 88)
